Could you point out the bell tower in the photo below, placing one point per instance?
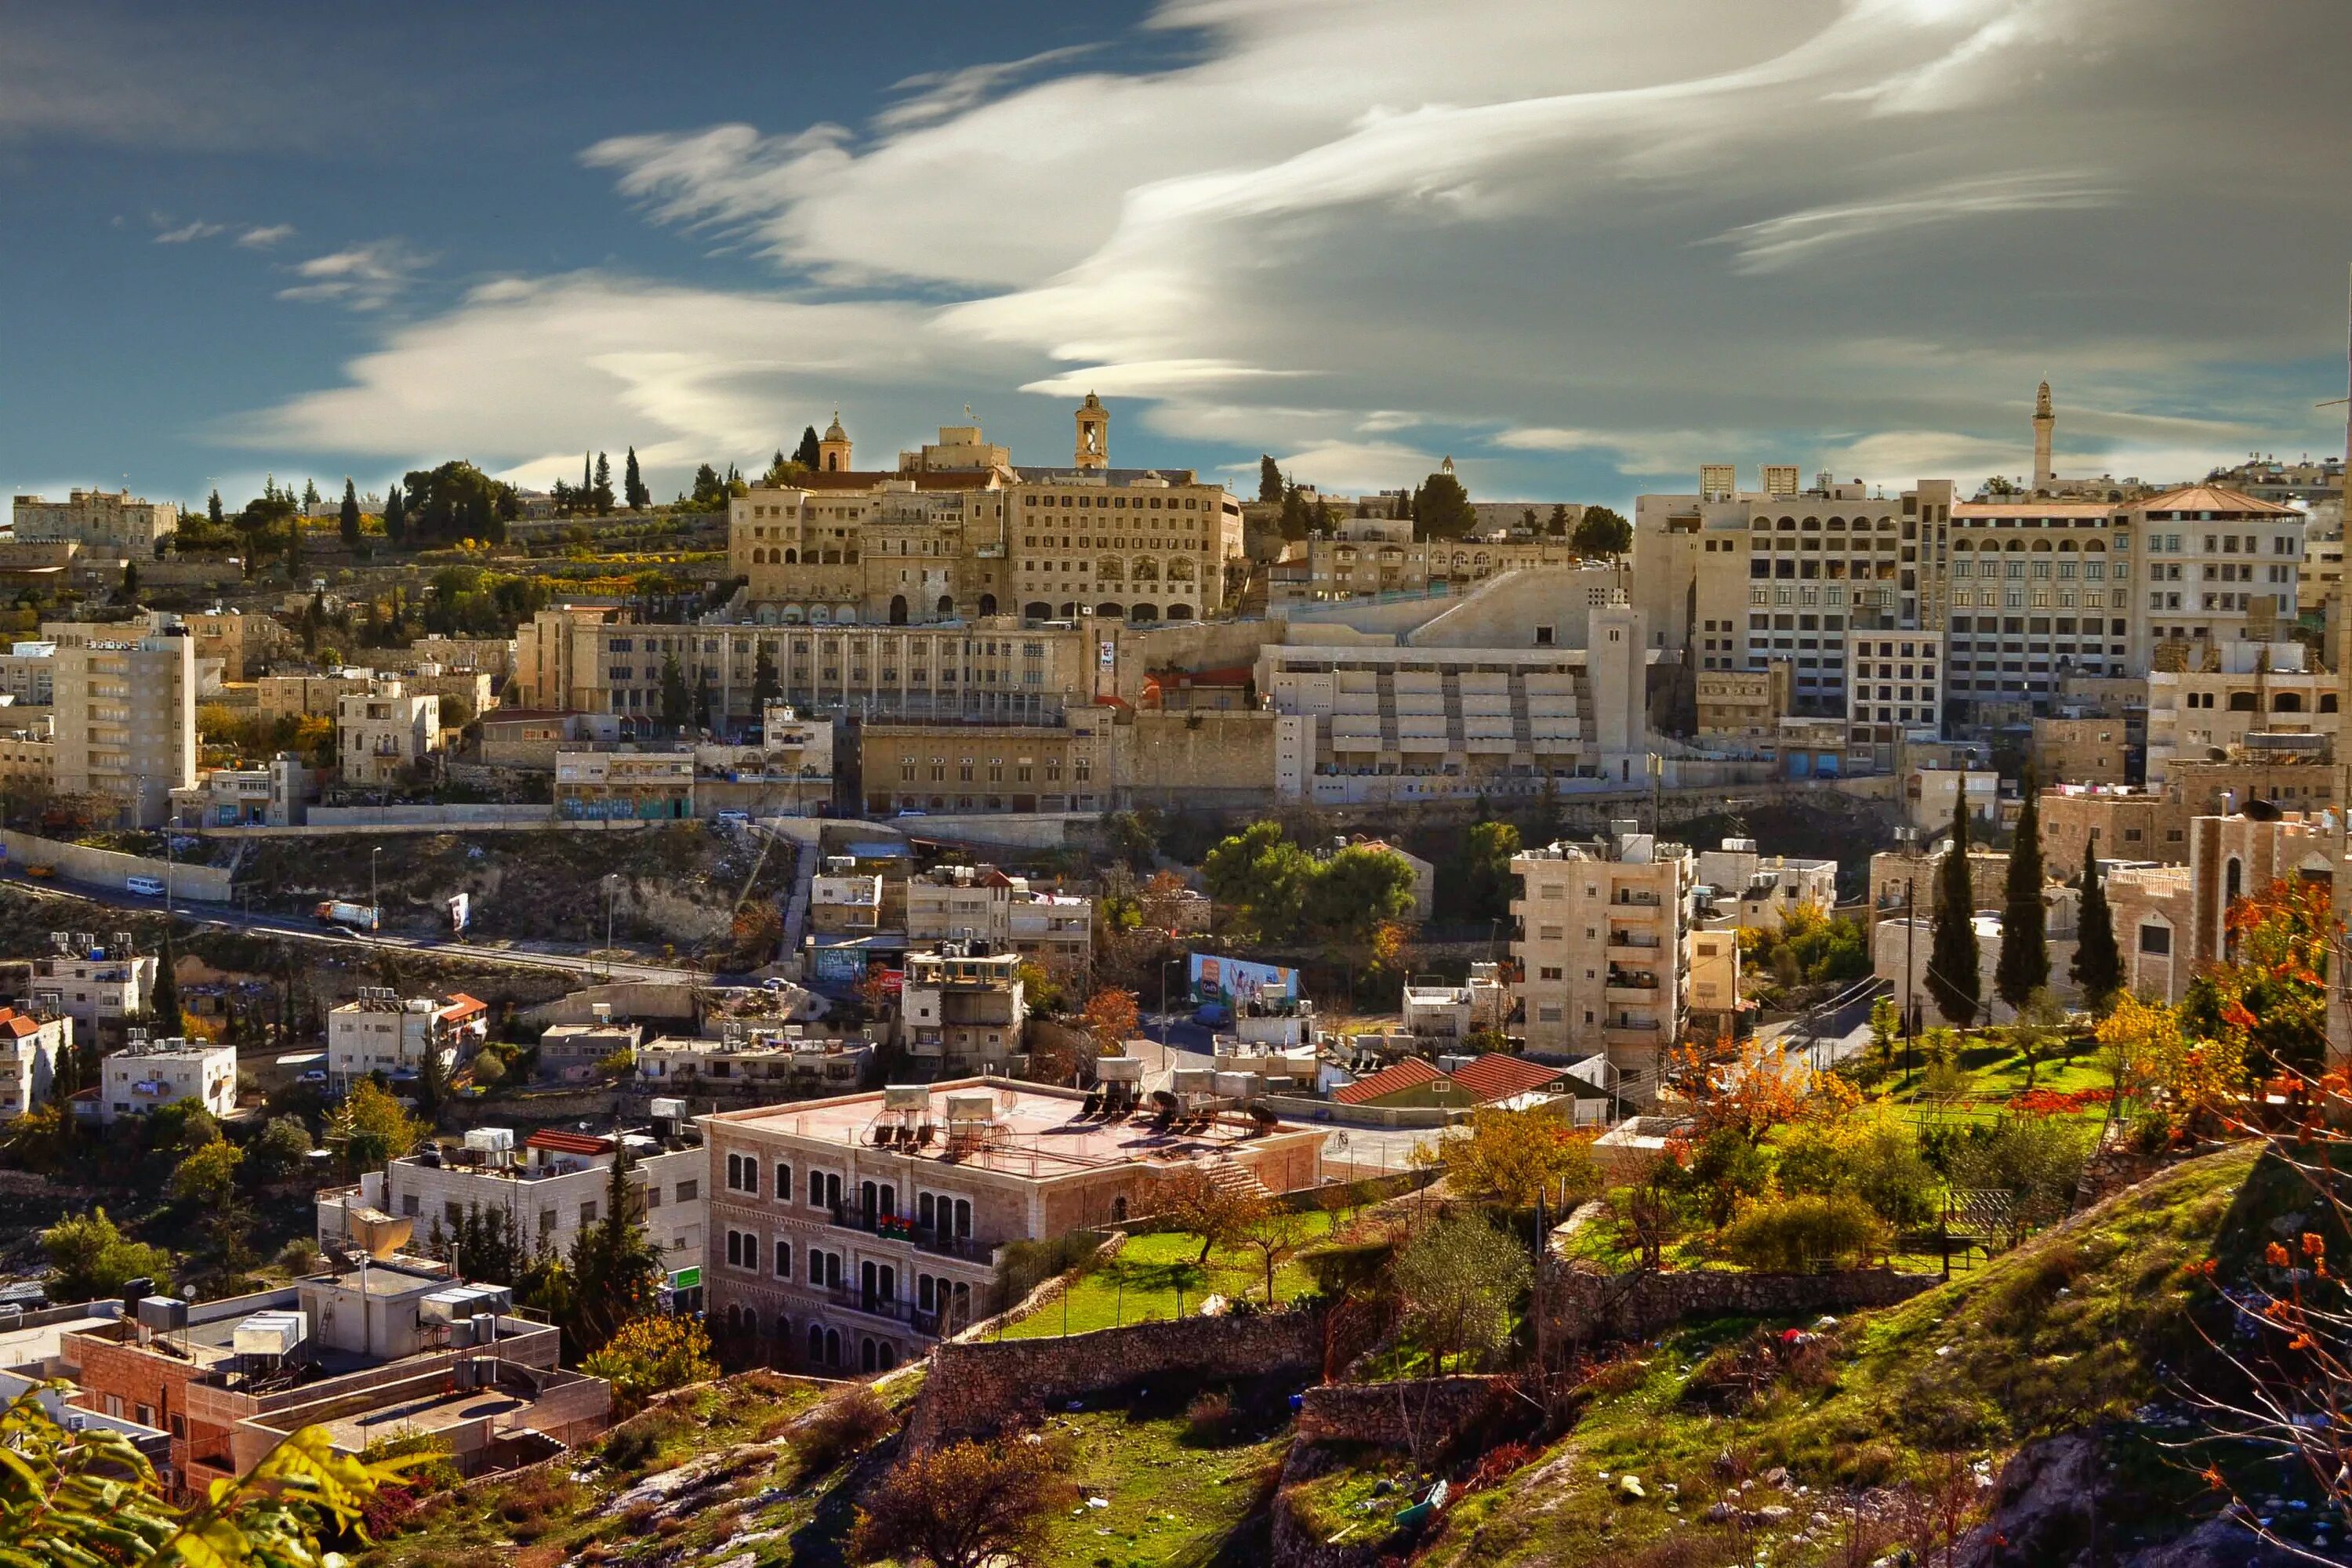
(1094, 435)
(833, 451)
(2045, 423)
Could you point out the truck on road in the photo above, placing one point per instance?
(335, 913)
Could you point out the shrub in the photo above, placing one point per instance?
(1209, 1414)
(651, 1354)
(846, 1424)
(1803, 1233)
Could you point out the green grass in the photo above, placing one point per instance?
(1995, 1075)
(1152, 1274)
(2061, 1332)
(1175, 1497)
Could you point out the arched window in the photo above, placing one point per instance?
(792, 557)
(897, 609)
(987, 604)
(1037, 610)
(816, 1344)
(2286, 702)
(947, 604)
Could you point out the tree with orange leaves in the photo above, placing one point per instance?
(2269, 994)
(1110, 1016)
(1754, 1092)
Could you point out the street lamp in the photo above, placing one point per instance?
(1165, 965)
(609, 879)
(376, 903)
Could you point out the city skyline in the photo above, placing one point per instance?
(1577, 252)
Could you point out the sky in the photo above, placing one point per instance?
(1580, 246)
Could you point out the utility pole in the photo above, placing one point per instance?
(1910, 936)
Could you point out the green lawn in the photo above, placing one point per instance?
(1153, 1273)
(1990, 1076)
(1174, 1496)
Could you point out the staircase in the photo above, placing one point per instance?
(1232, 1179)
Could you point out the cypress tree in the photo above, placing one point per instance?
(164, 1004)
(2023, 967)
(2098, 967)
(1952, 956)
(632, 484)
(806, 453)
(213, 509)
(396, 516)
(349, 519)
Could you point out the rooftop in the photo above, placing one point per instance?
(1033, 1131)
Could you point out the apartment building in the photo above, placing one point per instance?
(787, 767)
(1895, 695)
(493, 657)
(570, 1053)
(148, 1073)
(2247, 690)
(960, 532)
(113, 519)
(387, 734)
(992, 667)
(29, 674)
(293, 695)
(380, 1031)
(2221, 565)
(28, 755)
(1739, 579)
(854, 1231)
(1449, 1014)
(1600, 950)
(842, 902)
(1744, 705)
(780, 1061)
(1911, 875)
(624, 786)
(2040, 592)
(963, 1007)
(1757, 890)
(2094, 751)
(391, 1344)
(1060, 764)
(1364, 557)
(551, 1185)
(954, 903)
(243, 644)
(275, 793)
(30, 1045)
(126, 720)
(93, 986)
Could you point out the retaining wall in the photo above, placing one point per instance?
(109, 867)
(1585, 1306)
(1421, 1414)
(974, 1387)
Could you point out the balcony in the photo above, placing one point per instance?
(1628, 899)
(922, 1239)
(875, 1305)
(1628, 985)
(1635, 940)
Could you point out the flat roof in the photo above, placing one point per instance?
(1038, 1131)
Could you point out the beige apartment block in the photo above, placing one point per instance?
(115, 519)
(2153, 911)
(1600, 950)
(1761, 889)
(1745, 704)
(959, 902)
(94, 986)
(963, 1007)
(28, 757)
(386, 735)
(126, 720)
(989, 768)
(602, 786)
(295, 696)
(2198, 714)
(851, 1234)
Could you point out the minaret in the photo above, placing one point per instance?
(1094, 435)
(2045, 423)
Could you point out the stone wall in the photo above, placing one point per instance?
(1421, 1415)
(1584, 1306)
(107, 869)
(972, 1388)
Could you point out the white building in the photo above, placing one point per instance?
(149, 1073)
(783, 1061)
(94, 985)
(29, 1048)
(963, 1006)
(1437, 1011)
(384, 733)
(952, 903)
(551, 1188)
(380, 1031)
(1759, 889)
(2197, 714)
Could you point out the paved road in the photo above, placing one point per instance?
(269, 924)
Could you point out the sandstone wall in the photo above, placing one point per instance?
(1422, 1414)
(974, 1387)
(1582, 1305)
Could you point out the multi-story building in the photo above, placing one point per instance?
(1484, 697)
(601, 785)
(1737, 580)
(386, 735)
(1600, 950)
(780, 1062)
(993, 668)
(1448, 1014)
(149, 1073)
(551, 1185)
(1758, 889)
(29, 674)
(381, 1031)
(1364, 557)
(852, 1233)
(493, 657)
(243, 644)
(958, 902)
(294, 695)
(1895, 695)
(126, 720)
(30, 1045)
(274, 794)
(2221, 565)
(1744, 705)
(962, 1007)
(2199, 715)
(115, 519)
(2093, 750)
(788, 768)
(1931, 795)
(1059, 763)
(28, 755)
(97, 987)
(393, 1343)
(959, 532)
(842, 902)
(2027, 574)
(1909, 878)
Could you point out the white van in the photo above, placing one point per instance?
(145, 887)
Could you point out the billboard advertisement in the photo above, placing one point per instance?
(1236, 981)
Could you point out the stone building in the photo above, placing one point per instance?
(126, 720)
(114, 519)
(1056, 764)
(2080, 750)
(1744, 704)
(386, 734)
(1600, 950)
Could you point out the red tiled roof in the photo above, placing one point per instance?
(1410, 1073)
(1498, 1077)
(556, 1141)
(462, 1007)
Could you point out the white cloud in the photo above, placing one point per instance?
(262, 236)
(195, 228)
(363, 277)
(1575, 237)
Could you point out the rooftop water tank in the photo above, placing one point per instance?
(270, 1333)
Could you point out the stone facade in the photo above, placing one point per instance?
(973, 1388)
(1422, 1415)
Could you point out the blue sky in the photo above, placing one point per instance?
(1582, 247)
